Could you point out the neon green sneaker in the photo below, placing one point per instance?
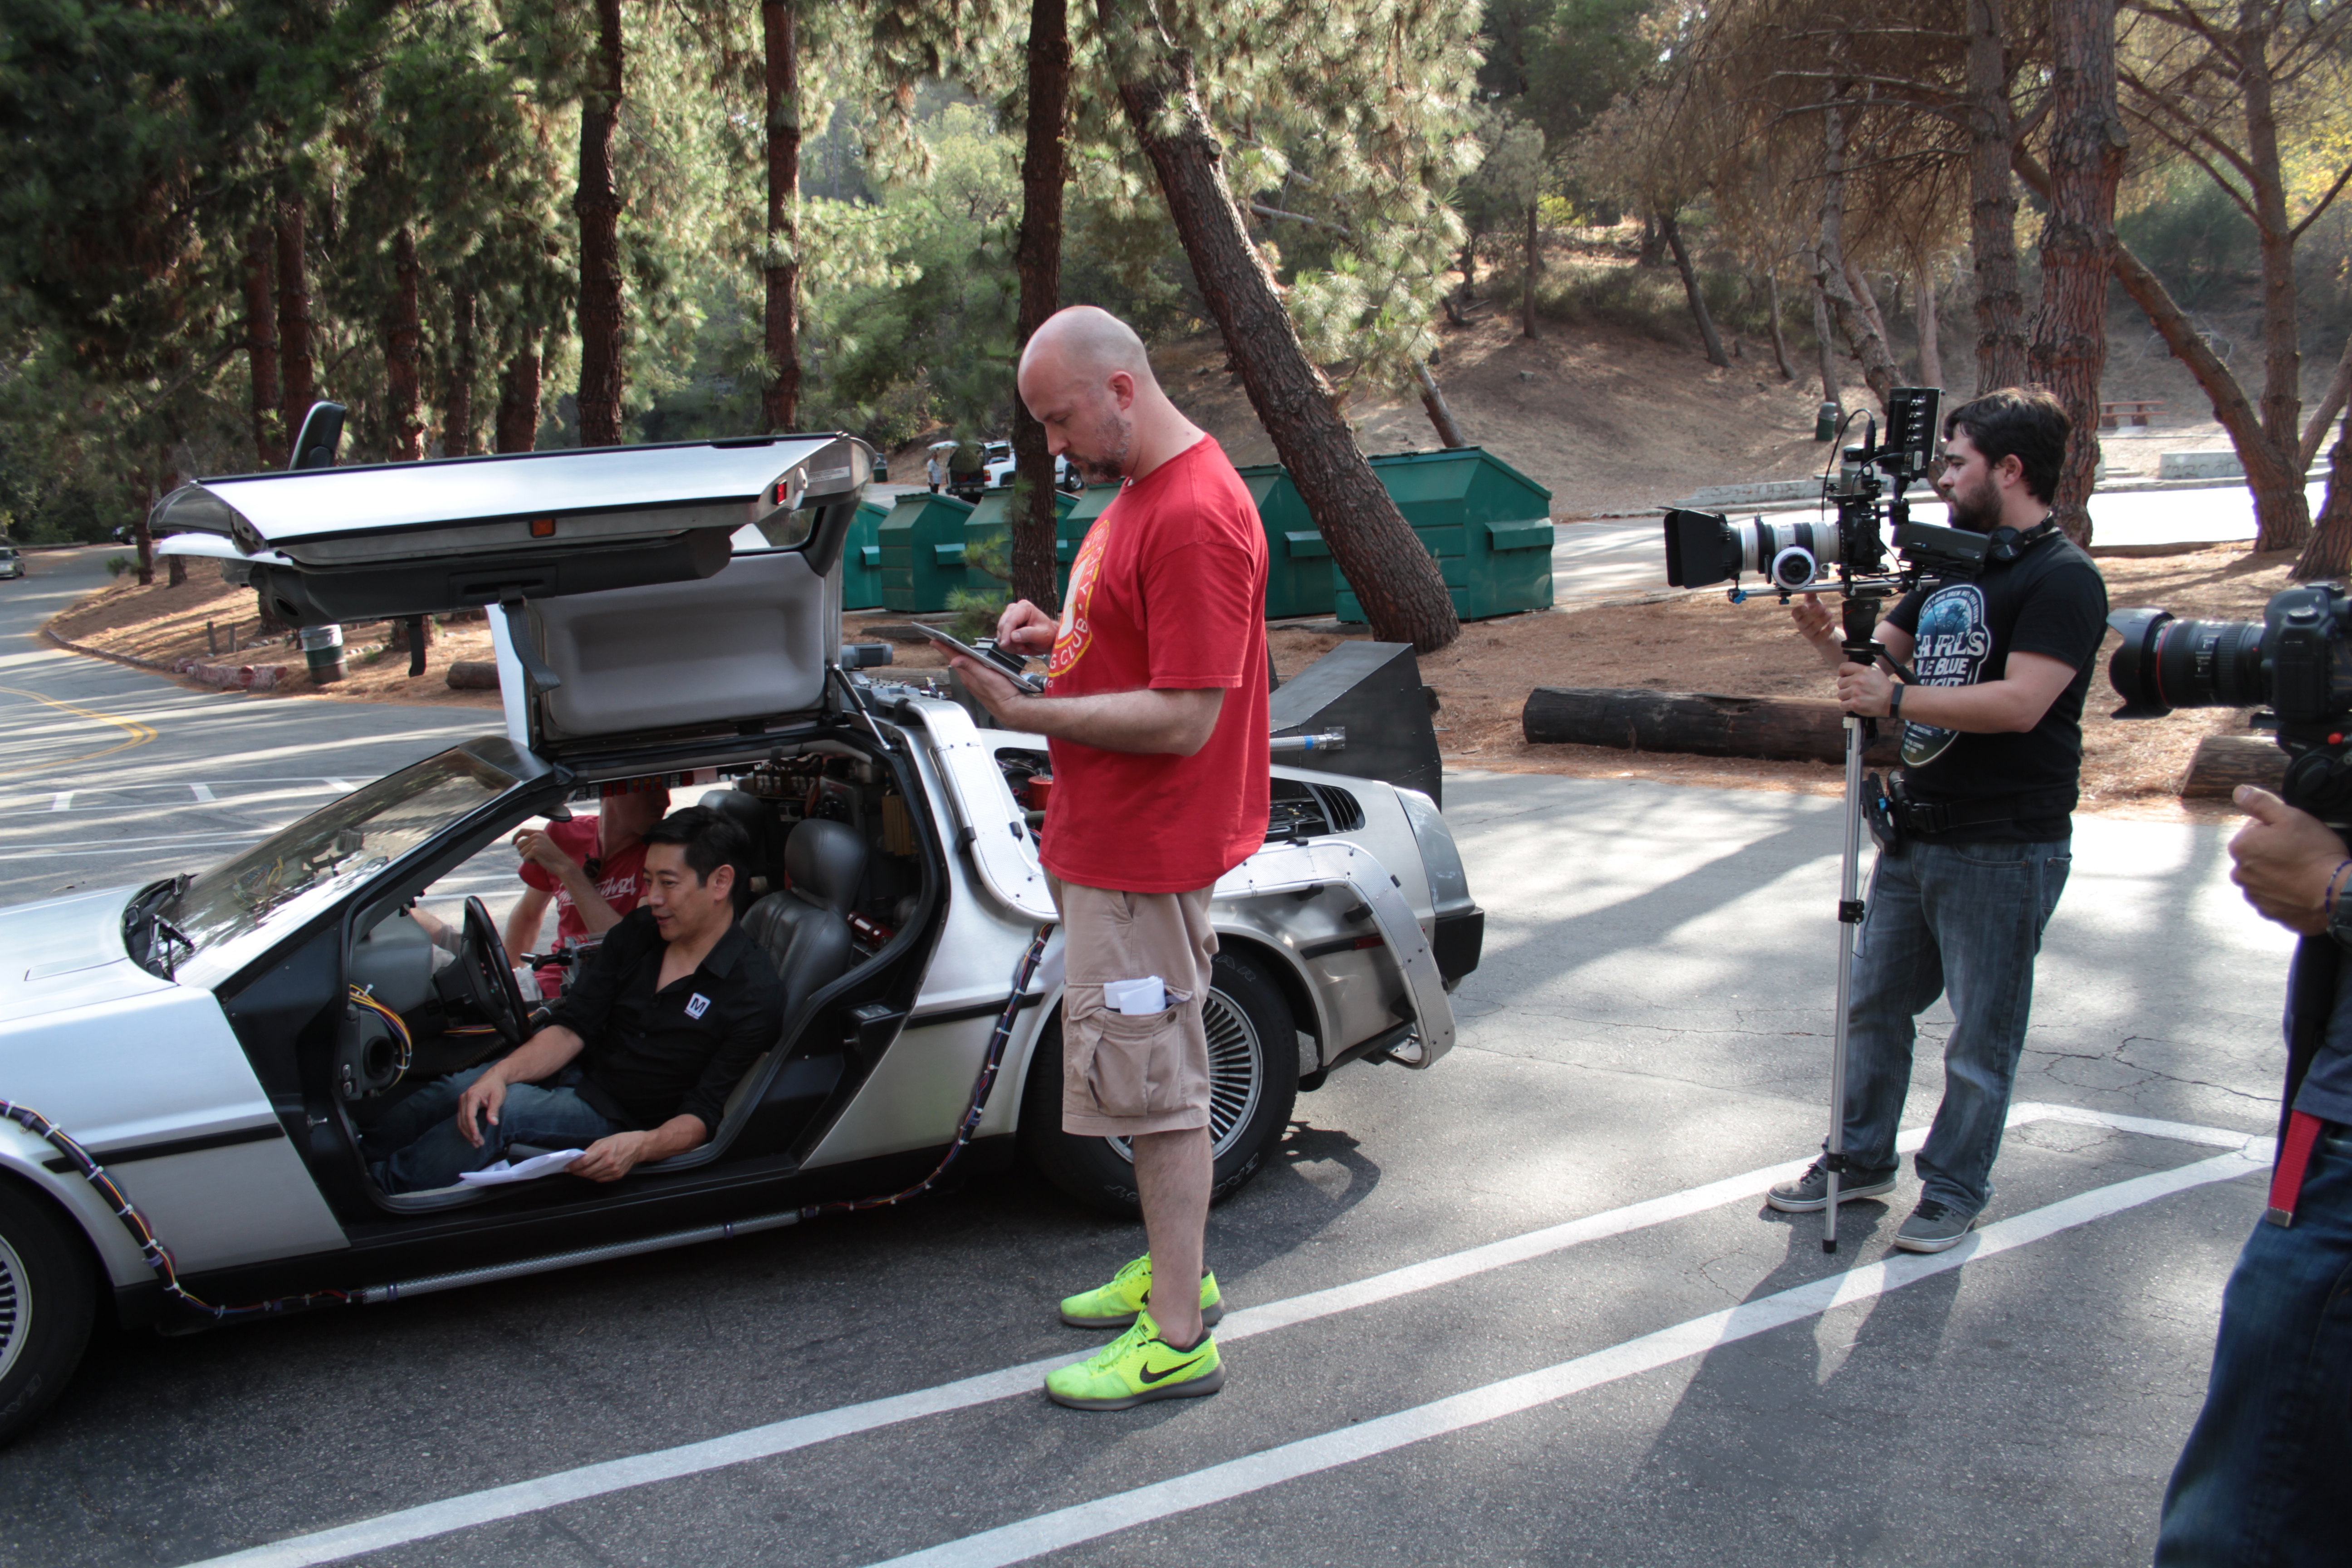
(1114, 1306)
(1137, 1368)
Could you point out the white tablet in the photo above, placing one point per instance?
(1021, 679)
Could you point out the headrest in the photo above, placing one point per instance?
(747, 812)
(826, 861)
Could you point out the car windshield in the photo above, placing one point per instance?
(365, 831)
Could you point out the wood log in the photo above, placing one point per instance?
(2222, 762)
(1702, 723)
(473, 675)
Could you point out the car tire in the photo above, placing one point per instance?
(46, 1300)
(1254, 1080)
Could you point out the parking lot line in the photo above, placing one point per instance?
(496, 1503)
(1255, 1472)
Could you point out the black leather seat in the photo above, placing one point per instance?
(804, 930)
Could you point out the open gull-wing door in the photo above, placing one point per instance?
(326, 545)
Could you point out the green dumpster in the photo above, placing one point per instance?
(1070, 532)
(1299, 577)
(1488, 525)
(861, 558)
(922, 551)
(986, 525)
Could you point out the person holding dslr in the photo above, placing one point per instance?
(1992, 749)
(2261, 1478)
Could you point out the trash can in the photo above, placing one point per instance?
(988, 524)
(1825, 422)
(861, 558)
(323, 648)
(1071, 532)
(922, 551)
(1300, 579)
(1488, 525)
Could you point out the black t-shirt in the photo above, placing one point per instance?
(2051, 600)
(653, 1051)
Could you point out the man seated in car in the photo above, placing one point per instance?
(593, 868)
(635, 1064)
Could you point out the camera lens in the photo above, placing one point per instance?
(2167, 663)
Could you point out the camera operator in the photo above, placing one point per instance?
(1992, 749)
(2273, 1442)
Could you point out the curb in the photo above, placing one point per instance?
(227, 677)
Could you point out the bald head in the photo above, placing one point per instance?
(1086, 378)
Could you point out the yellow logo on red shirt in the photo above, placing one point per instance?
(1076, 632)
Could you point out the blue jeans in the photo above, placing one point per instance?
(2262, 1479)
(1964, 918)
(417, 1147)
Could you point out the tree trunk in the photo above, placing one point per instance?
(1441, 413)
(2329, 553)
(2331, 404)
(1993, 204)
(1931, 343)
(2087, 142)
(780, 406)
(402, 375)
(1707, 332)
(1528, 277)
(1780, 338)
(1867, 303)
(297, 388)
(1638, 720)
(598, 205)
(1394, 576)
(457, 406)
(142, 542)
(2222, 762)
(1045, 170)
(1830, 266)
(518, 426)
(261, 350)
(2282, 347)
(2282, 509)
(1833, 391)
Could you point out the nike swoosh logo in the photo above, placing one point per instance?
(1148, 1376)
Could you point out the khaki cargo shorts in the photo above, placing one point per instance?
(1127, 1074)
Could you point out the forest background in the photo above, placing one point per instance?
(487, 226)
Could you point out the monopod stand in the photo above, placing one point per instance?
(1860, 611)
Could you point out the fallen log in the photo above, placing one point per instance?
(473, 675)
(2222, 762)
(1702, 723)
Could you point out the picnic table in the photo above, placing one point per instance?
(2113, 415)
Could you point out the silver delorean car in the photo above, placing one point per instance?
(186, 1067)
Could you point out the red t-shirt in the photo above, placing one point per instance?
(1168, 592)
(620, 881)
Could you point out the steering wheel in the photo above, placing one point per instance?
(489, 982)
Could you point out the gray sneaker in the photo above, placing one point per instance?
(1810, 1194)
(1933, 1228)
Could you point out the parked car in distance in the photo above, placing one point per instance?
(221, 1040)
(12, 564)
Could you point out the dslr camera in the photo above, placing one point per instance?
(1867, 490)
(2296, 664)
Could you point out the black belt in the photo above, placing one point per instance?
(1930, 816)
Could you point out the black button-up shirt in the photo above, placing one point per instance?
(653, 1051)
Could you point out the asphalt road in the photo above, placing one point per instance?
(1523, 1307)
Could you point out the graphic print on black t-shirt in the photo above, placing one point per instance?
(1953, 642)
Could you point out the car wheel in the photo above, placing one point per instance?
(46, 1302)
(1253, 1085)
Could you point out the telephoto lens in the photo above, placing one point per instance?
(1703, 549)
(2167, 663)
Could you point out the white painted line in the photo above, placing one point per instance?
(428, 1520)
(1255, 1472)
(202, 791)
(339, 785)
(128, 846)
(63, 801)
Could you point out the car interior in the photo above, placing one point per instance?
(842, 899)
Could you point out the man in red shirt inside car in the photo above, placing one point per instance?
(1155, 711)
(592, 868)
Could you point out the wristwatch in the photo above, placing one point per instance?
(2339, 913)
(1894, 704)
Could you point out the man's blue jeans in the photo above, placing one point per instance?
(1964, 918)
(417, 1147)
(2262, 1479)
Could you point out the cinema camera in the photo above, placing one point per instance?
(2295, 663)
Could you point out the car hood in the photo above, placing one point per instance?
(68, 952)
